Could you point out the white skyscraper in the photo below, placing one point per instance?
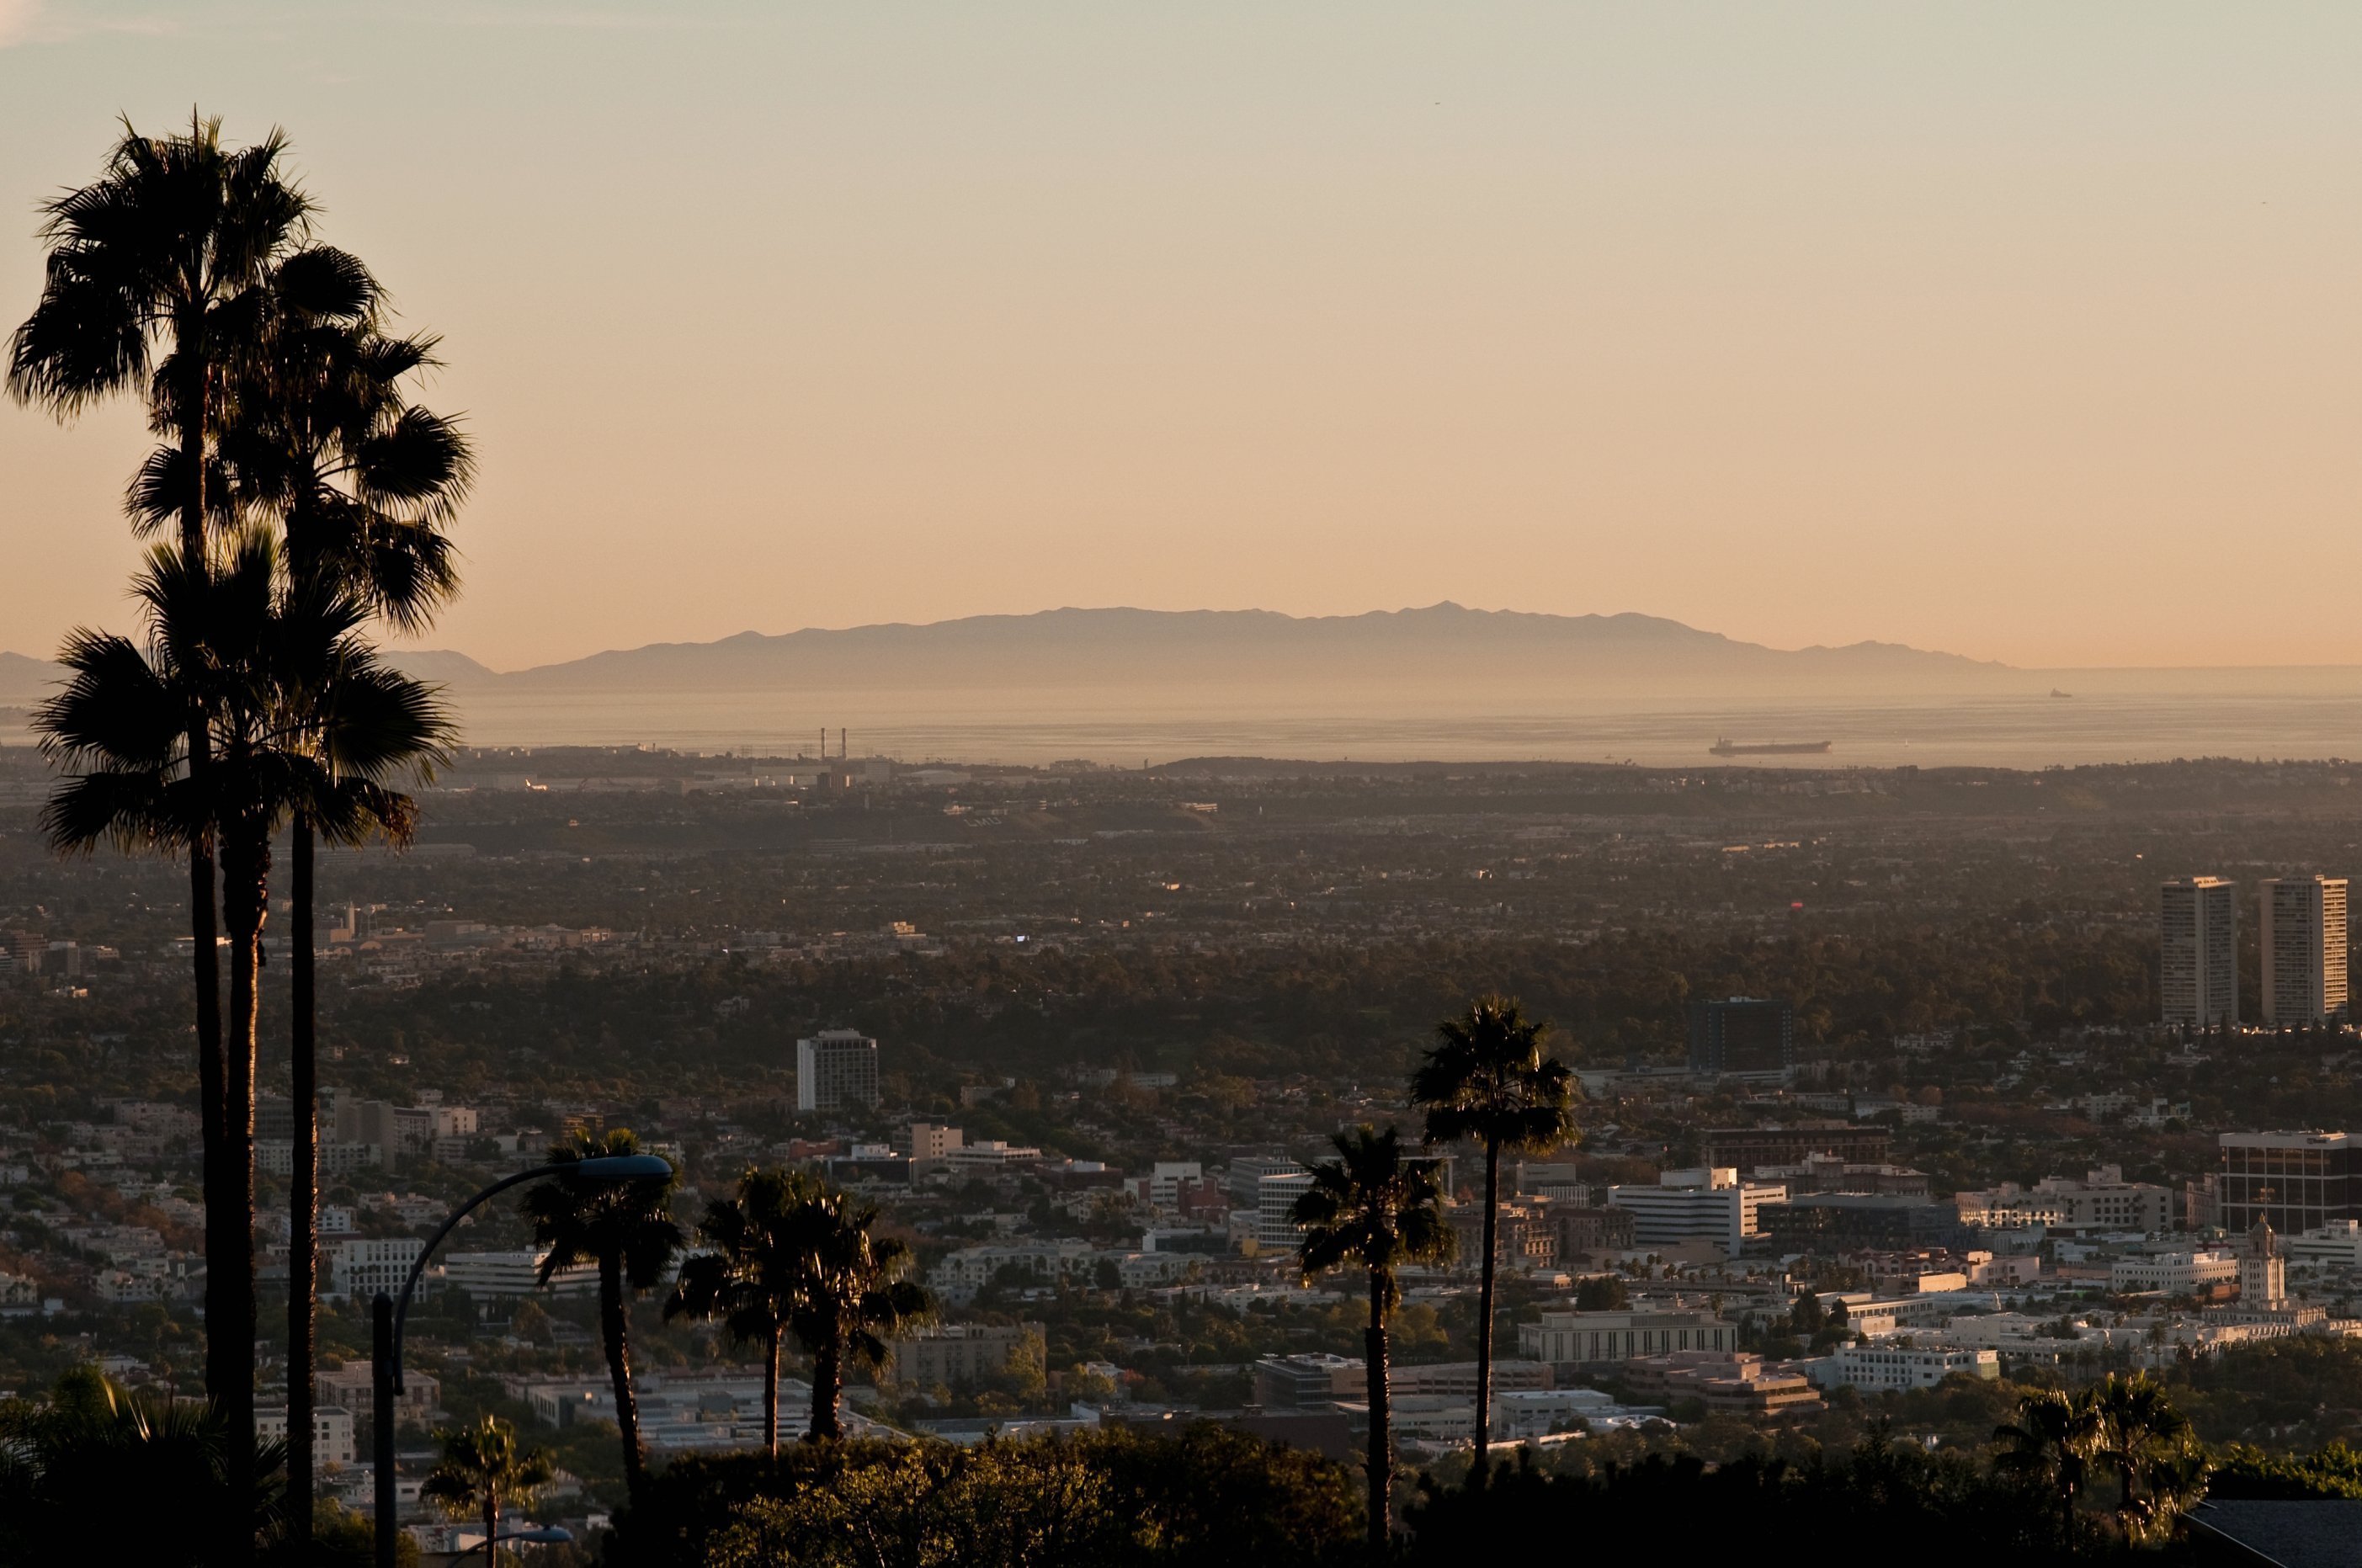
(2303, 949)
(837, 1070)
(2197, 972)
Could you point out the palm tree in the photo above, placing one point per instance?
(852, 1299)
(480, 1471)
(1489, 1082)
(324, 438)
(628, 1229)
(2054, 1439)
(756, 1271)
(2148, 1443)
(1372, 1209)
(151, 283)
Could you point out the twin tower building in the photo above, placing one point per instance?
(2302, 951)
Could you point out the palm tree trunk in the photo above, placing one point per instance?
(492, 1525)
(302, 1203)
(245, 905)
(828, 1381)
(771, 1393)
(1484, 1306)
(1381, 1446)
(615, 1325)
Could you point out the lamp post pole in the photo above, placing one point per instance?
(387, 1314)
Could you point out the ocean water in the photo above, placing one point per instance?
(2109, 717)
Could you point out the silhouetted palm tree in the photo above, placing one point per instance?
(852, 1299)
(1370, 1208)
(2053, 1439)
(756, 1272)
(482, 1471)
(152, 285)
(1489, 1082)
(2149, 1445)
(324, 439)
(626, 1228)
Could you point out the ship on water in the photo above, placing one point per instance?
(1726, 746)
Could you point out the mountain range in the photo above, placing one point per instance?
(1254, 650)
(1442, 645)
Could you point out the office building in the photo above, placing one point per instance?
(1309, 1381)
(361, 1267)
(1591, 1337)
(2103, 1200)
(1749, 1148)
(1709, 1205)
(1276, 1229)
(837, 1070)
(2198, 967)
(332, 1432)
(958, 1355)
(2303, 949)
(492, 1275)
(1742, 1036)
(2292, 1181)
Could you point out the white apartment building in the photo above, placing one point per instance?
(1592, 1336)
(2103, 1200)
(837, 1070)
(1161, 1188)
(2173, 1273)
(332, 1431)
(2198, 930)
(2303, 949)
(509, 1274)
(359, 1268)
(1878, 1367)
(1276, 1229)
(1709, 1205)
(957, 1276)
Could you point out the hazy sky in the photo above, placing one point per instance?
(2029, 331)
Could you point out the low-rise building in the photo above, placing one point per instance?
(332, 1431)
(1711, 1205)
(1309, 1381)
(1901, 1366)
(359, 1268)
(2186, 1273)
(1735, 1381)
(1577, 1339)
(352, 1387)
(507, 1276)
(955, 1355)
(2103, 1200)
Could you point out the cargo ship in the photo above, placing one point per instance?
(1726, 746)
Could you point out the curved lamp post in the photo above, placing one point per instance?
(387, 1316)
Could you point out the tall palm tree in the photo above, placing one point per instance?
(1374, 1209)
(756, 1271)
(628, 1229)
(853, 1298)
(482, 1470)
(324, 439)
(2054, 1439)
(1488, 1082)
(152, 284)
(298, 710)
(2148, 1443)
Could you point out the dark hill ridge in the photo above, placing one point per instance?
(1442, 645)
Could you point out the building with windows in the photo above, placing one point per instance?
(1565, 1339)
(1707, 1205)
(497, 1276)
(837, 1070)
(1878, 1367)
(1750, 1148)
(332, 1431)
(1276, 1193)
(2197, 969)
(2303, 949)
(1742, 1036)
(1309, 1381)
(2191, 1273)
(2103, 1200)
(359, 1268)
(957, 1355)
(2293, 1181)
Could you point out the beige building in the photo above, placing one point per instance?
(1576, 1338)
(2303, 949)
(953, 1355)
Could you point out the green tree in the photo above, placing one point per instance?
(625, 1228)
(2148, 1443)
(1488, 1082)
(482, 1471)
(1370, 1208)
(2054, 1439)
(853, 1298)
(754, 1270)
(152, 285)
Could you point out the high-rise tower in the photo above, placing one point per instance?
(2197, 972)
(2303, 949)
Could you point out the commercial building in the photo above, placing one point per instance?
(2197, 969)
(498, 1275)
(1565, 1339)
(1309, 1381)
(1275, 1209)
(2103, 1200)
(1457, 1379)
(1735, 1381)
(1742, 1037)
(352, 1387)
(2293, 1181)
(1749, 1148)
(2303, 949)
(1707, 1205)
(955, 1355)
(2194, 1271)
(359, 1268)
(837, 1070)
(332, 1431)
(1881, 1367)
(1827, 1223)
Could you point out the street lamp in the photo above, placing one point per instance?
(540, 1535)
(387, 1314)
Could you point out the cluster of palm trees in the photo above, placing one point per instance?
(2123, 1427)
(1489, 1082)
(296, 497)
